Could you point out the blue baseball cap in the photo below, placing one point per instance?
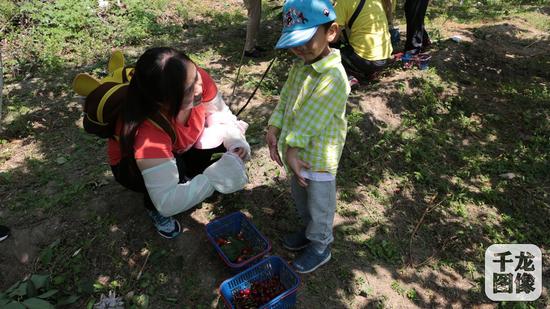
(301, 18)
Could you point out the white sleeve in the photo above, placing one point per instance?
(228, 174)
(168, 195)
(233, 138)
(221, 120)
(217, 105)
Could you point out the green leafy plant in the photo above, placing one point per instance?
(35, 292)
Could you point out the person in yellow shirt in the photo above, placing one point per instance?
(366, 39)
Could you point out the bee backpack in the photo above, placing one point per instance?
(105, 97)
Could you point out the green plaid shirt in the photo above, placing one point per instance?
(311, 113)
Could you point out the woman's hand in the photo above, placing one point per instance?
(296, 165)
(271, 139)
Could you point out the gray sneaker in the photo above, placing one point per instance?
(296, 241)
(310, 260)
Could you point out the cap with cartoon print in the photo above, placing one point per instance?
(301, 18)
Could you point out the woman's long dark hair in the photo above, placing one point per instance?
(158, 84)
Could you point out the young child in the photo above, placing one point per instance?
(307, 129)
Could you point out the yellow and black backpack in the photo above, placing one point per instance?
(105, 97)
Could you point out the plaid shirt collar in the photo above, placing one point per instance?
(330, 61)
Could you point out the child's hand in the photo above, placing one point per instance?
(271, 139)
(296, 164)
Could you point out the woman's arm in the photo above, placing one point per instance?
(171, 197)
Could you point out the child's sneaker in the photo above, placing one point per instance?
(167, 227)
(310, 260)
(295, 241)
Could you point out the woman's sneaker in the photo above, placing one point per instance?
(167, 227)
(310, 260)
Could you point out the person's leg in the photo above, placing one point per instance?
(415, 11)
(297, 240)
(167, 227)
(409, 18)
(254, 9)
(321, 205)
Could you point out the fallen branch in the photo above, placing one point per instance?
(426, 211)
(143, 266)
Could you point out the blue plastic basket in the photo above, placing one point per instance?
(232, 224)
(264, 270)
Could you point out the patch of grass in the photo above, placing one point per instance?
(474, 10)
(49, 35)
(537, 19)
(409, 293)
(383, 250)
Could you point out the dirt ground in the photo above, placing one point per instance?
(103, 229)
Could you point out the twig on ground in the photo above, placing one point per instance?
(426, 211)
(434, 252)
(143, 266)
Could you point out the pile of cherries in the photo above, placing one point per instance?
(259, 293)
(236, 248)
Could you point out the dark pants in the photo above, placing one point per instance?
(190, 164)
(417, 37)
(359, 67)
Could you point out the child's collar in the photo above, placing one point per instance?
(327, 62)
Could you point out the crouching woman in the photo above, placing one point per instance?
(171, 124)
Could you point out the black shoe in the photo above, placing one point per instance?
(4, 232)
(254, 53)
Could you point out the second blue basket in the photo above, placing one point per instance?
(232, 224)
(266, 269)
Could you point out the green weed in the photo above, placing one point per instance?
(383, 250)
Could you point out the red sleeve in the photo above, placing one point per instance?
(209, 88)
(152, 142)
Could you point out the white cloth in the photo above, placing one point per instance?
(228, 174)
(168, 195)
(221, 126)
(233, 139)
(317, 176)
